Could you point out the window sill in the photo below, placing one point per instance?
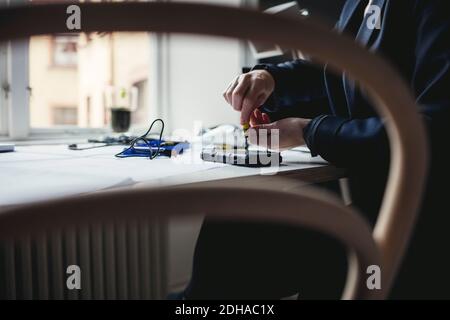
(45, 136)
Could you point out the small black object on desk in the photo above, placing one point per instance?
(6, 147)
(241, 157)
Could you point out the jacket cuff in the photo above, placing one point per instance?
(321, 133)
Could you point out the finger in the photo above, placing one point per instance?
(261, 99)
(265, 118)
(225, 93)
(231, 89)
(239, 92)
(248, 106)
(258, 116)
(254, 121)
(229, 92)
(253, 100)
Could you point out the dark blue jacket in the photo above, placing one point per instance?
(415, 38)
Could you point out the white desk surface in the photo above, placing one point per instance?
(35, 173)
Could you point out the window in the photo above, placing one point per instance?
(64, 50)
(76, 70)
(57, 83)
(63, 116)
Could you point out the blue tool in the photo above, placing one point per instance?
(150, 148)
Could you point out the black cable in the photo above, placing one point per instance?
(75, 147)
(106, 142)
(126, 140)
(143, 137)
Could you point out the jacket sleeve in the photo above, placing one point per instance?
(347, 142)
(299, 90)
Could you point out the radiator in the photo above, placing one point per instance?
(117, 261)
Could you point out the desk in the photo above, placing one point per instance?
(36, 173)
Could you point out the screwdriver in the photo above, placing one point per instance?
(245, 128)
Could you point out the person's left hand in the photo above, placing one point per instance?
(290, 132)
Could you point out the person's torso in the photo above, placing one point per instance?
(394, 38)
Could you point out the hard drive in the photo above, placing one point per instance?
(242, 157)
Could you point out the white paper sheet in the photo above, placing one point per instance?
(41, 172)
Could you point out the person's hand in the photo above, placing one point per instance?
(290, 131)
(249, 91)
(257, 118)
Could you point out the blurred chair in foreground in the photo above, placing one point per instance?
(385, 247)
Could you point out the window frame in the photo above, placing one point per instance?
(4, 87)
(4, 84)
(54, 44)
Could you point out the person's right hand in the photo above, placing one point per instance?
(249, 91)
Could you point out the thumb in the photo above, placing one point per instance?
(249, 105)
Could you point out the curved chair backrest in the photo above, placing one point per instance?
(391, 96)
(232, 200)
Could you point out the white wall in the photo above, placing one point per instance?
(198, 68)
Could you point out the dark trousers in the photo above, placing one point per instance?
(245, 260)
(237, 260)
